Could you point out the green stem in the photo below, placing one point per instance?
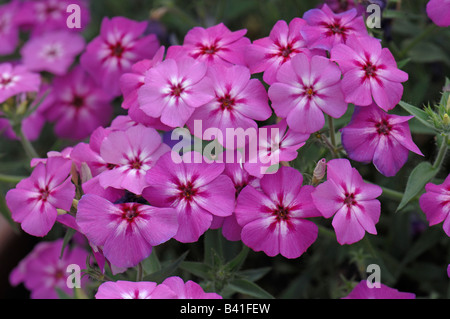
(392, 194)
(389, 193)
(11, 179)
(332, 133)
(27, 146)
(140, 272)
(441, 155)
(430, 29)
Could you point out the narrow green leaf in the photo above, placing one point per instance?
(446, 94)
(236, 263)
(402, 63)
(67, 237)
(420, 115)
(249, 288)
(5, 212)
(427, 240)
(166, 271)
(212, 246)
(420, 176)
(254, 274)
(198, 269)
(151, 264)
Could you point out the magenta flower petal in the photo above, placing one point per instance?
(439, 12)
(53, 52)
(34, 201)
(214, 45)
(270, 53)
(120, 44)
(435, 203)
(352, 202)
(17, 79)
(326, 29)
(273, 219)
(378, 137)
(370, 72)
(188, 290)
(305, 88)
(192, 189)
(127, 232)
(133, 290)
(140, 147)
(362, 291)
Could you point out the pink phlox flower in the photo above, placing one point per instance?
(339, 6)
(238, 102)
(34, 201)
(270, 53)
(435, 203)
(439, 12)
(350, 200)
(43, 271)
(130, 154)
(362, 291)
(275, 144)
(17, 79)
(42, 16)
(134, 290)
(376, 136)
(53, 52)
(173, 89)
(126, 231)
(121, 43)
(77, 105)
(305, 89)
(188, 289)
(325, 29)
(213, 45)
(195, 187)
(370, 73)
(273, 219)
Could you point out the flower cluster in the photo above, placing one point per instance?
(126, 191)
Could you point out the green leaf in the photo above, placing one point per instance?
(236, 263)
(420, 115)
(420, 176)
(254, 274)
(62, 294)
(5, 212)
(213, 246)
(427, 52)
(402, 63)
(67, 237)
(151, 264)
(166, 271)
(446, 94)
(427, 240)
(249, 288)
(198, 269)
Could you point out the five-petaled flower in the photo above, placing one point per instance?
(370, 72)
(351, 200)
(376, 136)
(273, 219)
(35, 200)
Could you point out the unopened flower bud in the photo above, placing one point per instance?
(319, 171)
(446, 120)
